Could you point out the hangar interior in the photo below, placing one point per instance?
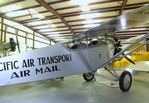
(35, 24)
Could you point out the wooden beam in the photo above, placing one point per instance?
(70, 21)
(74, 25)
(30, 7)
(123, 6)
(117, 33)
(61, 1)
(83, 28)
(50, 9)
(76, 13)
(107, 9)
(123, 35)
(62, 30)
(132, 31)
(67, 33)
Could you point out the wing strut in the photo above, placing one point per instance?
(126, 49)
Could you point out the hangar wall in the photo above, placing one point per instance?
(27, 38)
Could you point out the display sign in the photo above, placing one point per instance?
(50, 62)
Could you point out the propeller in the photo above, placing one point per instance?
(128, 59)
(118, 49)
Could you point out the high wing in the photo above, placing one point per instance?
(132, 19)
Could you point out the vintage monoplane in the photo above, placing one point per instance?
(85, 58)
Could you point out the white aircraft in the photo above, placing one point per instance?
(60, 60)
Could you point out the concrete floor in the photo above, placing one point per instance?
(73, 89)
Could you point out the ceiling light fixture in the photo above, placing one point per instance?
(49, 21)
(123, 23)
(58, 37)
(53, 33)
(16, 13)
(46, 30)
(85, 8)
(10, 8)
(52, 25)
(56, 34)
(37, 23)
(138, 29)
(89, 16)
(90, 21)
(91, 25)
(81, 2)
(32, 11)
(40, 16)
(41, 27)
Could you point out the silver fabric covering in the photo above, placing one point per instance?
(135, 18)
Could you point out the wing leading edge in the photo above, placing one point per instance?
(132, 19)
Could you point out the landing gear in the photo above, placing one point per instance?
(125, 81)
(88, 76)
(61, 77)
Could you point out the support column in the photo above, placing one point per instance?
(26, 38)
(147, 46)
(50, 42)
(1, 39)
(33, 40)
(16, 32)
(5, 33)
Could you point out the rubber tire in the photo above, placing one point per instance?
(121, 81)
(61, 77)
(88, 79)
(74, 46)
(93, 43)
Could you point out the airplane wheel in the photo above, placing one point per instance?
(61, 77)
(125, 81)
(88, 76)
